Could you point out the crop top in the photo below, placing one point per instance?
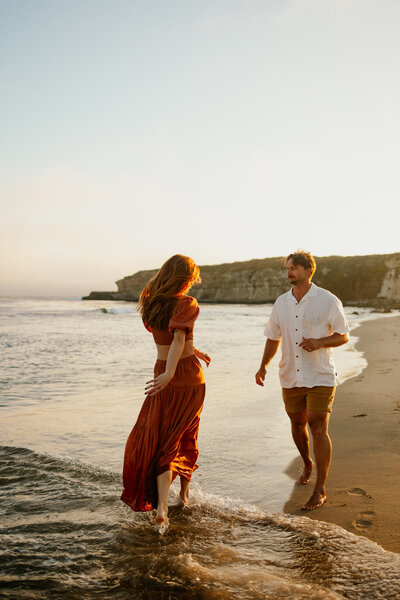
(186, 312)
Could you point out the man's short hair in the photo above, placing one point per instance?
(303, 258)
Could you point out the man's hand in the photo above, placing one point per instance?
(260, 376)
(271, 347)
(311, 344)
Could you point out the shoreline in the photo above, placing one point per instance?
(364, 478)
(379, 305)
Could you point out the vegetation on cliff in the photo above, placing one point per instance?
(372, 279)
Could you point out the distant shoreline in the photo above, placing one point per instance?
(106, 296)
(370, 280)
(381, 306)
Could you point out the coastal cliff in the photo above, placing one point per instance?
(372, 280)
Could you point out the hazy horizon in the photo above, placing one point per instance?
(113, 288)
(224, 130)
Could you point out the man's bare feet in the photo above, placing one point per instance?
(306, 474)
(316, 500)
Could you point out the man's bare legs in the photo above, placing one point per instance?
(318, 422)
(163, 485)
(301, 439)
(184, 491)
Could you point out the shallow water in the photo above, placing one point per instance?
(65, 534)
(72, 385)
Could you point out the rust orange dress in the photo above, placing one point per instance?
(165, 435)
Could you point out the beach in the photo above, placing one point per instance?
(364, 479)
(72, 390)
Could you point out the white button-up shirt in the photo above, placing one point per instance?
(318, 314)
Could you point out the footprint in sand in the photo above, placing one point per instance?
(356, 492)
(364, 520)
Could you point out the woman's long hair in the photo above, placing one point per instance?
(158, 299)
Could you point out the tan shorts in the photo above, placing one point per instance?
(318, 398)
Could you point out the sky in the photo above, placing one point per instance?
(225, 130)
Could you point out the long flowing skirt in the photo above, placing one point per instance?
(165, 435)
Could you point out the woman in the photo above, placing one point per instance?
(163, 443)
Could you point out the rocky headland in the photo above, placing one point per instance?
(372, 280)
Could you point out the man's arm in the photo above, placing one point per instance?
(271, 348)
(331, 341)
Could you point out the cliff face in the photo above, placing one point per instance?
(360, 280)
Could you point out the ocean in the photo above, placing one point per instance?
(72, 383)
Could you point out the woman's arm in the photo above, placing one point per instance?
(175, 351)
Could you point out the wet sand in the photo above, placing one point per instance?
(364, 480)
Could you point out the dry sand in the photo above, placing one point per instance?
(364, 481)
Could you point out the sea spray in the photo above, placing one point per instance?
(65, 533)
(72, 386)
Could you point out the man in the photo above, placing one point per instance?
(309, 321)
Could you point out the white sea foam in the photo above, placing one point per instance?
(83, 375)
(58, 515)
(120, 310)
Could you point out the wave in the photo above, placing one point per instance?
(118, 310)
(66, 534)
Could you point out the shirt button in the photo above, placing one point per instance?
(297, 357)
(298, 370)
(297, 316)
(296, 329)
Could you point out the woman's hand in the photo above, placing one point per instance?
(202, 356)
(154, 386)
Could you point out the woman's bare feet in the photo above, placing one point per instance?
(161, 518)
(161, 523)
(306, 474)
(163, 483)
(162, 513)
(184, 492)
(184, 498)
(317, 499)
